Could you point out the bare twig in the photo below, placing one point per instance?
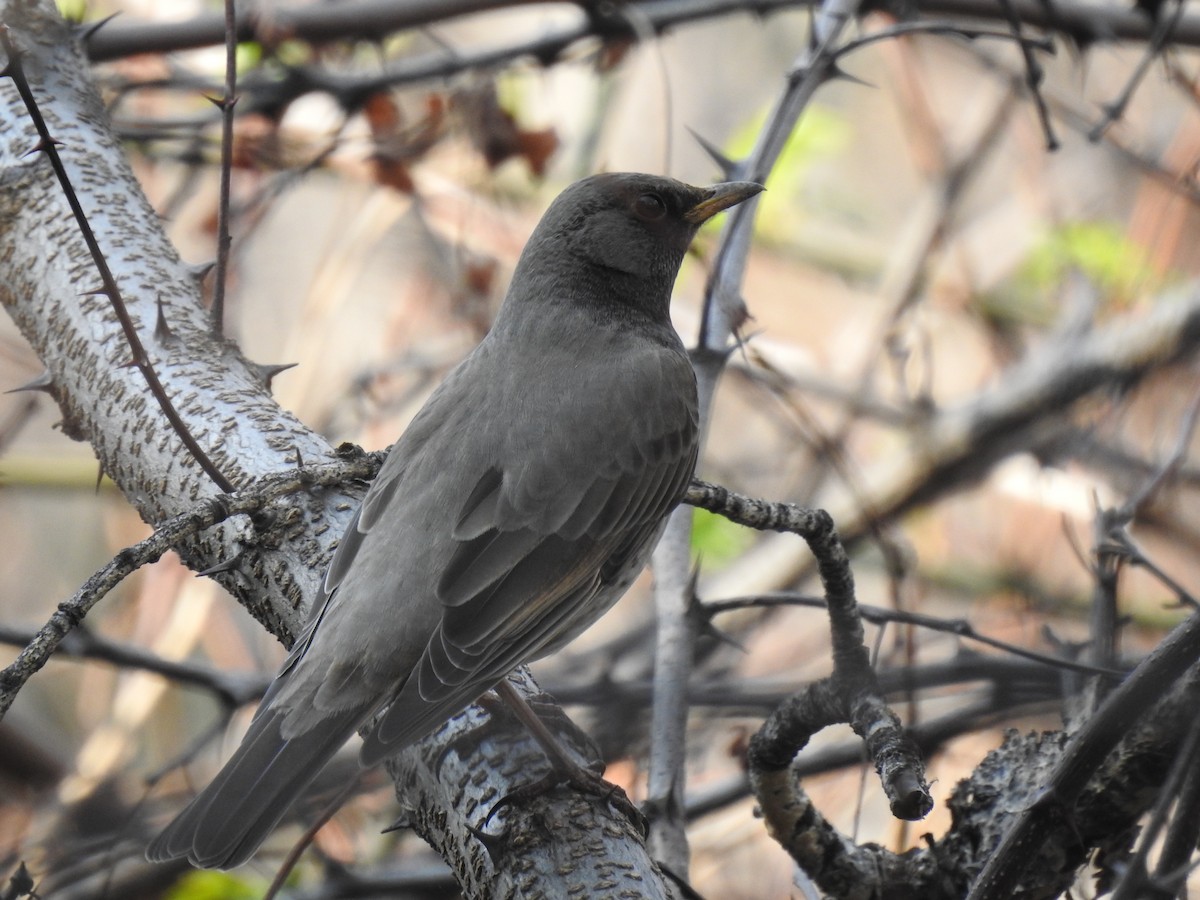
(724, 312)
(1180, 840)
(1133, 880)
(232, 689)
(1113, 111)
(226, 105)
(1034, 73)
(881, 615)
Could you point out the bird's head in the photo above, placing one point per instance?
(624, 231)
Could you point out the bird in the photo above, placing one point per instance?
(516, 508)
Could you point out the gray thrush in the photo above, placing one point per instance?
(514, 511)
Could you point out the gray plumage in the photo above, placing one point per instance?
(517, 507)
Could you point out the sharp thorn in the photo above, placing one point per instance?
(132, 363)
(403, 823)
(42, 146)
(200, 271)
(162, 329)
(693, 581)
(836, 73)
(84, 33)
(492, 843)
(43, 382)
(708, 629)
(229, 565)
(222, 103)
(703, 617)
(728, 167)
(267, 373)
(96, 292)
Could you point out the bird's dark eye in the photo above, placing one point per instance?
(649, 207)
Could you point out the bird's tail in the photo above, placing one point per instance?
(227, 821)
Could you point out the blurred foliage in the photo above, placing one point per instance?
(249, 56)
(73, 10)
(1099, 251)
(209, 885)
(821, 135)
(717, 541)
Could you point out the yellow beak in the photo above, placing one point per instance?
(719, 197)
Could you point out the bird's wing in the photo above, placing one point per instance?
(541, 533)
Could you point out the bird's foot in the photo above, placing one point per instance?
(585, 781)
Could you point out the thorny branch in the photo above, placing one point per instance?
(723, 314)
(226, 104)
(370, 19)
(878, 615)
(140, 358)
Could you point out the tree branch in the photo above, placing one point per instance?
(273, 567)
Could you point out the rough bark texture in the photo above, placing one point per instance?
(274, 566)
(553, 845)
(45, 274)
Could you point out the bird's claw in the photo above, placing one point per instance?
(584, 780)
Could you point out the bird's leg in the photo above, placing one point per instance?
(558, 755)
(564, 768)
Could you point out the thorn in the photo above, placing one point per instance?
(42, 145)
(697, 610)
(200, 271)
(132, 363)
(693, 580)
(224, 104)
(83, 33)
(22, 882)
(836, 73)
(727, 166)
(299, 457)
(491, 842)
(741, 341)
(708, 629)
(266, 373)
(162, 330)
(229, 565)
(96, 292)
(42, 382)
(402, 823)
(99, 476)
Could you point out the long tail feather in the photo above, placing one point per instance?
(227, 821)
